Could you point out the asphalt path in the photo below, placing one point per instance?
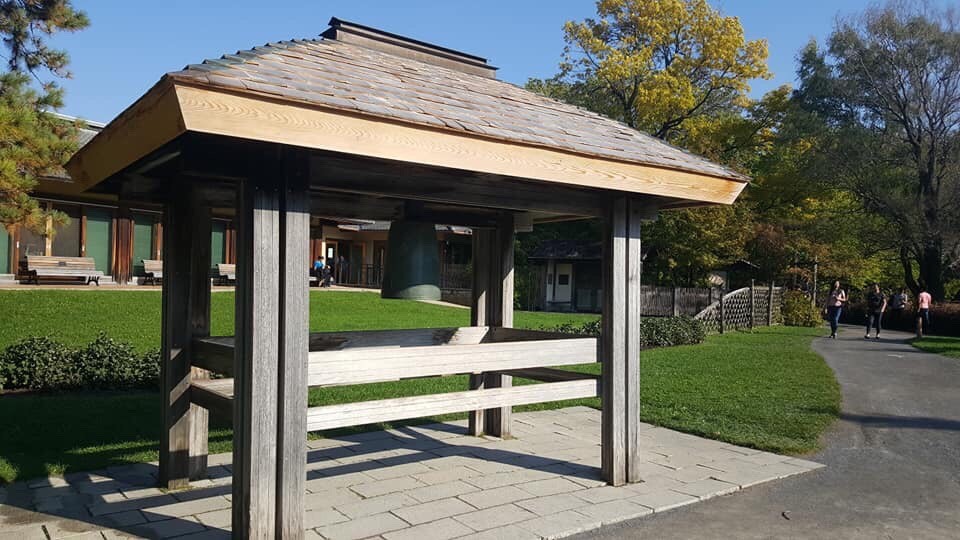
(893, 459)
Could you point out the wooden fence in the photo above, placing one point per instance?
(744, 308)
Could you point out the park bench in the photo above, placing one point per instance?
(152, 272)
(363, 357)
(84, 268)
(226, 273)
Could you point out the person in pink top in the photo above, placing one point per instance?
(834, 307)
(923, 311)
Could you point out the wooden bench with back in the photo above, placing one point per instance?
(152, 272)
(39, 266)
(226, 273)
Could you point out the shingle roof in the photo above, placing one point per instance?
(349, 77)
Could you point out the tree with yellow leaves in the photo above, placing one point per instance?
(659, 63)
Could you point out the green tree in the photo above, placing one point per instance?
(655, 64)
(887, 89)
(32, 141)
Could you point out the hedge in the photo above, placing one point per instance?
(41, 363)
(654, 331)
(798, 310)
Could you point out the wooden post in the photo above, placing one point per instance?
(721, 311)
(294, 348)
(752, 303)
(619, 343)
(256, 364)
(770, 305)
(271, 353)
(676, 306)
(492, 305)
(186, 315)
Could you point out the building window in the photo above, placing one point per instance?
(563, 279)
(66, 240)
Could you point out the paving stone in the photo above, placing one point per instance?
(493, 517)
(763, 458)
(140, 493)
(395, 471)
(325, 483)
(653, 483)
(659, 501)
(383, 487)
(511, 532)
(744, 478)
(364, 527)
(691, 474)
(446, 475)
(212, 534)
(321, 517)
(551, 504)
(168, 528)
(560, 525)
(551, 486)
(443, 529)
(180, 509)
(328, 498)
(89, 535)
(217, 518)
(604, 494)
(72, 529)
(614, 511)
(496, 496)
(433, 510)
(375, 505)
(125, 519)
(104, 508)
(782, 470)
(804, 464)
(441, 491)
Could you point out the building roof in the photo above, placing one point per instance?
(358, 79)
(84, 135)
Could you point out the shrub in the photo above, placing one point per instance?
(42, 363)
(654, 331)
(799, 311)
(109, 364)
(39, 363)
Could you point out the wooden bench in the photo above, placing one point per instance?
(226, 273)
(152, 272)
(363, 357)
(84, 268)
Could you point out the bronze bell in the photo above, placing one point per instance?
(412, 268)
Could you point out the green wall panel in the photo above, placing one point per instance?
(98, 237)
(142, 242)
(217, 238)
(4, 251)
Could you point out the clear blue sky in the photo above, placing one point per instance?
(130, 44)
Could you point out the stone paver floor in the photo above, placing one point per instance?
(423, 482)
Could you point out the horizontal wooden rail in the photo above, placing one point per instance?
(364, 366)
(550, 375)
(387, 410)
(359, 357)
(213, 394)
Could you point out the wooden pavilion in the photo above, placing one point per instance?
(367, 124)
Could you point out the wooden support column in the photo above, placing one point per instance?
(492, 305)
(294, 347)
(270, 362)
(619, 344)
(186, 315)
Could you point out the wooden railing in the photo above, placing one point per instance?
(348, 358)
(743, 309)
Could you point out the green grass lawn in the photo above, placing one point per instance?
(764, 389)
(75, 317)
(947, 346)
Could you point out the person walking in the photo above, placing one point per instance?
(834, 307)
(876, 305)
(924, 300)
(898, 305)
